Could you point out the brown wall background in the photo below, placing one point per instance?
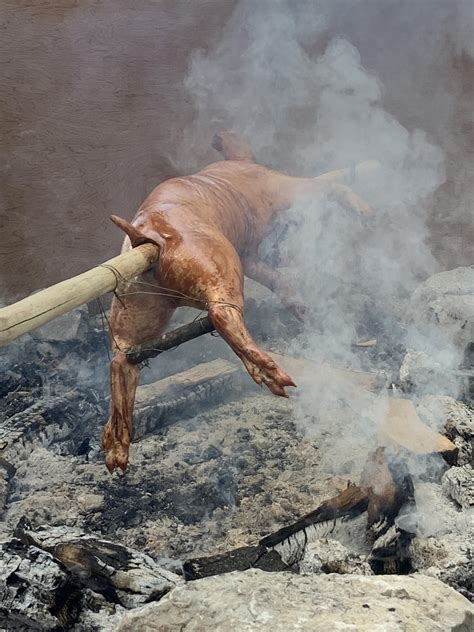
(92, 105)
(92, 99)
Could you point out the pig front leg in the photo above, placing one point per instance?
(228, 321)
(226, 310)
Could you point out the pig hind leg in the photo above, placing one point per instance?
(135, 319)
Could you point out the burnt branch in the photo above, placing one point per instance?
(170, 340)
(349, 504)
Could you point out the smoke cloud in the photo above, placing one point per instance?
(306, 103)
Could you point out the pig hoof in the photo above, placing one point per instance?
(264, 371)
(117, 456)
(115, 443)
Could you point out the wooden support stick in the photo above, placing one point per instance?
(170, 339)
(38, 309)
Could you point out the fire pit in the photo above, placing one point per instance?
(224, 478)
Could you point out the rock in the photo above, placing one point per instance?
(330, 556)
(98, 614)
(90, 503)
(446, 301)
(448, 557)
(414, 365)
(460, 429)
(458, 483)
(422, 372)
(444, 546)
(436, 514)
(453, 417)
(255, 600)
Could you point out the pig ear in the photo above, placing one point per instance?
(232, 147)
(137, 237)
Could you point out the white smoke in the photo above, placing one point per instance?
(306, 104)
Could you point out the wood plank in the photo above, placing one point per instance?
(402, 427)
(320, 372)
(181, 393)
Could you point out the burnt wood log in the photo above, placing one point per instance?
(384, 489)
(182, 393)
(36, 591)
(350, 503)
(7, 472)
(389, 486)
(33, 425)
(125, 576)
(390, 553)
(240, 559)
(56, 418)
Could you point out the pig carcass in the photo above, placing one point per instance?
(208, 227)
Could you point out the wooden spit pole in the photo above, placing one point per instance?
(347, 175)
(38, 309)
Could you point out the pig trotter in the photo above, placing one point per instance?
(229, 322)
(263, 370)
(116, 441)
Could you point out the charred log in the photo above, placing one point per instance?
(123, 575)
(390, 553)
(350, 503)
(240, 559)
(36, 590)
(180, 393)
(46, 421)
(7, 472)
(385, 489)
(389, 485)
